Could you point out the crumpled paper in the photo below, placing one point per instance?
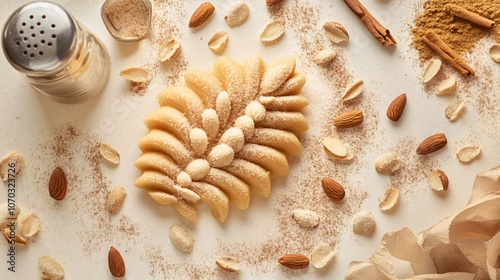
(463, 246)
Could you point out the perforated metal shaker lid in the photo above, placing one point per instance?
(38, 37)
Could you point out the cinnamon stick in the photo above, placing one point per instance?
(382, 34)
(470, 16)
(447, 53)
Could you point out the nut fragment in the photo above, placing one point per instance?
(352, 90)
(454, 110)
(447, 86)
(13, 162)
(181, 238)
(325, 56)
(306, 218)
(333, 189)
(396, 108)
(7, 214)
(168, 50)
(335, 32)
(272, 2)
(322, 255)
(438, 180)
(58, 184)
(348, 119)
(238, 14)
(495, 53)
(335, 146)
(349, 155)
(115, 263)
(109, 154)
(468, 153)
(50, 268)
(432, 70)
(201, 14)
(294, 261)
(273, 32)
(115, 199)
(218, 42)
(28, 224)
(389, 199)
(363, 223)
(432, 144)
(11, 235)
(387, 163)
(228, 264)
(135, 74)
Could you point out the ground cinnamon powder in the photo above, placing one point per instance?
(461, 35)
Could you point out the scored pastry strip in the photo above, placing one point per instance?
(222, 136)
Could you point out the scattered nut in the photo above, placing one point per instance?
(294, 261)
(348, 119)
(347, 157)
(115, 263)
(13, 162)
(272, 2)
(168, 50)
(335, 146)
(218, 42)
(335, 32)
(109, 154)
(135, 74)
(438, 180)
(432, 144)
(228, 264)
(447, 86)
(11, 235)
(352, 90)
(28, 224)
(322, 255)
(181, 238)
(363, 223)
(58, 184)
(238, 14)
(201, 14)
(333, 189)
(468, 153)
(432, 70)
(306, 218)
(389, 199)
(6, 214)
(325, 56)
(387, 163)
(50, 268)
(273, 32)
(495, 53)
(115, 199)
(396, 108)
(454, 110)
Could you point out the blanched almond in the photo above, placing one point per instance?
(495, 53)
(454, 110)
(13, 162)
(238, 14)
(50, 268)
(169, 50)
(28, 224)
(322, 255)
(115, 199)
(353, 90)
(335, 146)
(109, 154)
(432, 70)
(273, 32)
(335, 32)
(325, 56)
(135, 74)
(389, 199)
(218, 42)
(181, 238)
(447, 86)
(387, 163)
(228, 264)
(306, 218)
(468, 153)
(363, 223)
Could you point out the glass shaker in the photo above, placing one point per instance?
(58, 56)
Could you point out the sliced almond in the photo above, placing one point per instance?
(333, 189)
(335, 32)
(363, 223)
(109, 154)
(218, 42)
(168, 50)
(335, 146)
(115, 263)
(201, 14)
(228, 264)
(11, 165)
(495, 53)
(28, 224)
(181, 238)
(432, 70)
(432, 144)
(135, 74)
(454, 110)
(353, 90)
(389, 199)
(325, 56)
(468, 153)
(349, 155)
(322, 255)
(438, 180)
(387, 163)
(58, 184)
(238, 14)
(115, 199)
(273, 32)
(306, 218)
(447, 86)
(294, 261)
(396, 108)
(7, 214)
(12, 236)
(348, 119)
(50, 268)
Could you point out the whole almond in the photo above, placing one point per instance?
(396, 108)
(294, 261)
(333, 189)
(348, 119)
(201, 14)
(432, 144)
(272, 2)
(115, 263)
(58, 184)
